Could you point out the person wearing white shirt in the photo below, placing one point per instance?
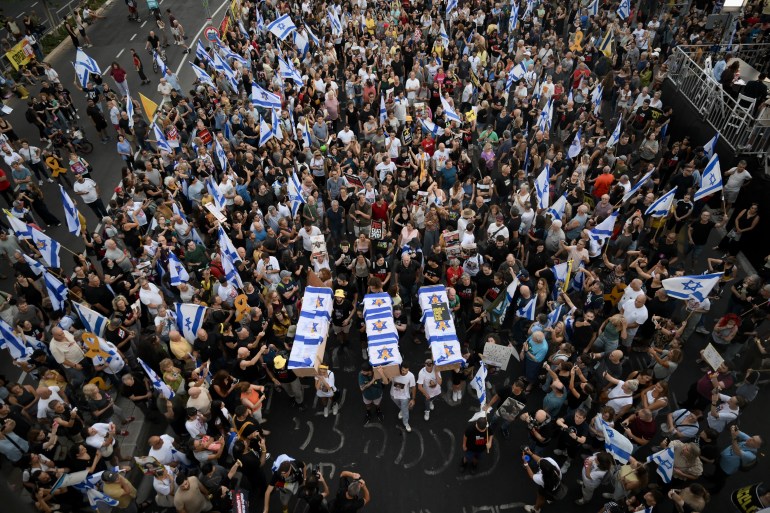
(269, 268)
(737, 177)
(635, 313)
(402, 391)
(412, 87)
(429, 384)
(633, 290)
(45, 396)
(88, 191)
(162, 449)
(346, 135)
(306, 234)
(164, 484)
(724, 410)
(195, 424)
(150, 296)
(592, 475)
(325, 390)
(385, 167)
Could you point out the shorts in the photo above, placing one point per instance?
(341, 329)
(375, 402)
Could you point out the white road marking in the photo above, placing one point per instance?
(132, 37)
(198, 34)
(106, 69)
(21, 14)
(143, 24)
(120, 52)
(33, 5)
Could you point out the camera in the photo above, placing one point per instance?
(316, 471)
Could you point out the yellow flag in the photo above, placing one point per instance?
(569, 272)
(149, 106)
(606, 45)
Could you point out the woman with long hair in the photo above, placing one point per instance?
(547, 478)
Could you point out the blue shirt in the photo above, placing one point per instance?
(719, 67)
(731, 462)
(537, 351)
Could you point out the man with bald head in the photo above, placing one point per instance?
(163, 448)
(180, 348)
(541, 430)
(45, 396)
(635, 313)
(68, 353)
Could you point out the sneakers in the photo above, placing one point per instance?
(40, 182)
(408, 428)
(701, 330)
(558, 452)
(580, 502)
(335, 408)
(432, 406)
(326, 411)
(50, 180)
(531, 509)
(427, 415)
(400, 415)
(565, 466)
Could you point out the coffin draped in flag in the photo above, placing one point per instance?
(157, 383)
(381, 331)
(616, 444)
(439, 326)
(312, 330)
(91, 319)
(694, 286)
(189, 319)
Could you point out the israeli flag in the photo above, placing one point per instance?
(220, 153)
(70, 212)
(450, 6)
(87, 63)
(160, 63)
(516, 74)
(96, 497)
(542, 187)
(605, 229)
(596, 98)
(229, 54)
(226, 245)
(56, 291)
(383, 110)
(662, 205)
(593, 8)
(665, 462)
(265, 132)
(223, 67)
(82, 74)
(160, 140)
(219, 200)
(431, 127)
(202, 76)
(157, 383)
(276, 122)
(176, 271)
(615, 137)
(555, 315)
(262, 98)
(15, 345)
(479, 384)
(91, 319)
(528, 310)
(710, 148)
(711, 181)
(304, 132)
(231, 273)
(19, 227)
(633, 190)
(444, 35)
(513, 21)
(295, 195)
(576, 146)
(34, 265)
(260, 20)
(130, 110)
(282, 27)
(48, 248)
(311, 36)
(558, 208)
(616, 444)
(546, 117)
(449, 112)
(624, 9)
(301, 42)
(578, 279)
(334, 22)
(189, 319)
(694, 286)
(560, 272)
(202, 54)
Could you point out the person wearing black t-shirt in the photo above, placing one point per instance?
(342, 316)
(476, 441)
(574, 433)
(698, 235)
(517, 391)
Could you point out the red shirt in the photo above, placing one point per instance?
(452, 275)
(118, 74)
(380, 212)
(429, 145)
(602, 184)
(4, 184)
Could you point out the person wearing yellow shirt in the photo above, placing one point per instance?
(58, 172)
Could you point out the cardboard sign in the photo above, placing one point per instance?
(712, 357)
(497, 355)
(354, 180)
(147, 464)
(441, 312)
(376, 230)
(318, 246)
(215, 212)
(452, 241)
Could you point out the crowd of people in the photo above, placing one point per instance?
(410, 137)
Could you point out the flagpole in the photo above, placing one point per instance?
(754, 308)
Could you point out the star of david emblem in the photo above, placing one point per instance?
(442, 325)
(319, 302)
(178, 269)
(448, 351)
(314, 328)
(434, 299)
(712, 179)
(42, 244)
(479, 382)
(378, 302)
(264, 96)
(380, 325)
(281, 26)
(188, 324)
(692, 285)
(384, 354)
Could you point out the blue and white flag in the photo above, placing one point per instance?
(265, 132)
(85, 65)
(593, 8)
(711, 181)
(70, 212)
(261, 97)
(48, 248)
(633, 190)
(21, 229)
(276, 122)
(93, 321)
(543, 187)
(528, 310)
(624, 9)
(304, 132)
(231, 273)
(227, 246)
(220, 154)
(334, 22)
(546, 117)
(696, 286)
(710, 148)
(661, 206)
(312, 37)
(130, 110)
(260, 20)
(229, 54)
(34, 265)
(479, 384)
(202, 76)
(431, 127)
(616, 444)
(615, 137)
(578, 279)
(665, 462)
(223, 67)
(605, 229)
(202, 54)
(517, 73)
(219, 200)
(513, 21)
(596, 99)
(301, 42)
(449, 112)
(289, 72)
(560, 273)
(57, 291)
(577, 146)
(558, 208)
(189, 319)
(282, 27)
(554, 315)
(160, 139)
(383, 110)
(176, 271)
(157, 383)
(295, 195)
(444, 35)
(160, 63)
(450, 6)
(16, 345)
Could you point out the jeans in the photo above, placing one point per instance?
(428, 402)
(403, 406)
